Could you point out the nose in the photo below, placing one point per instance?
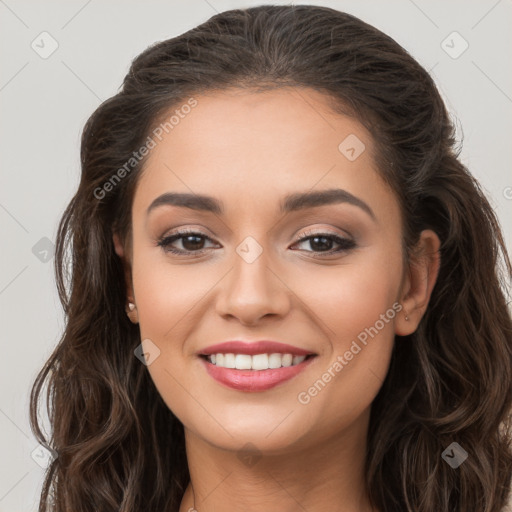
(253, 290)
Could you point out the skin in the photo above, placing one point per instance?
(248, 150)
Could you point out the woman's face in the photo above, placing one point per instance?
(251, 274)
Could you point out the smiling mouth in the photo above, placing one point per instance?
(257, 362)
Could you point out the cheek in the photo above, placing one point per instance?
(352, 296)
(357, 305)
(168, 295)
(169, 309)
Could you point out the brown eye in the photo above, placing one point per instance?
(191, 241)
(323, 242)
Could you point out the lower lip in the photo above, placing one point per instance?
(254, 380)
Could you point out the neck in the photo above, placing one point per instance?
(328, 475)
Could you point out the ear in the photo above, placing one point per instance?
(419, 282)
(121, 252)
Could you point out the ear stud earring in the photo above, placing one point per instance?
(130, 311)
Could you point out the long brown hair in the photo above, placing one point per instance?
(118, 446)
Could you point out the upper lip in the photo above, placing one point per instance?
(254, 347)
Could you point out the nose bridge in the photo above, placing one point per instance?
(251, 263)
(252, 290)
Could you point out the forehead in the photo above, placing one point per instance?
(247, 147)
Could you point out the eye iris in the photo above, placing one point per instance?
(198, 240)
(313, 242)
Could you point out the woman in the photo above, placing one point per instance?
(285, 289)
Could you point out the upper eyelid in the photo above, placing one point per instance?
(311, 232)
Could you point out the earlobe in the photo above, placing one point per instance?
(131, 312)
(422, 276)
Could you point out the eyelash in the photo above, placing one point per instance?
(345, 243)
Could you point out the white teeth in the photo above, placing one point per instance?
(243, 361)
(229, 361)
(259, 362)
(255, 362)
(287, 360)
(298, 359)
(274, 361)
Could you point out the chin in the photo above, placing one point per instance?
(270, 435)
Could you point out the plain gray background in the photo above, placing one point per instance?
(46, 101)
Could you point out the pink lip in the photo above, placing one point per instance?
(254, 380)
(252, 348)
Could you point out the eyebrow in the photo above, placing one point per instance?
(290, 203)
